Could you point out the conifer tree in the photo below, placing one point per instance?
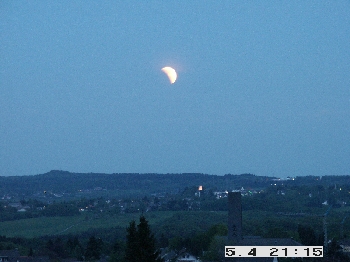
(140, 245)
(132, 244)
(93, 249)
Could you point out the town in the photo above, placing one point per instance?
(271, 208)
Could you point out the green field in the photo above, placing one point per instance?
(43, 226)
(174, 223)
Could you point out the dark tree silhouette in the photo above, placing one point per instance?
(93, 249)
(307, 235)
(118, 251)
(30, 254)
(132, 243)
(140, 243)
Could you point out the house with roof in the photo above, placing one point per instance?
(187, 257)
(14, 256)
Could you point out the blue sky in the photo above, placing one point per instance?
(263, 87)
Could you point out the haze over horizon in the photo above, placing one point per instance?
(262, 87)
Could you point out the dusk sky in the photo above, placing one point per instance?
(263, 87)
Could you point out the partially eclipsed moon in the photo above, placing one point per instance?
(171, 73)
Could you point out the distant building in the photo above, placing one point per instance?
(13, 256)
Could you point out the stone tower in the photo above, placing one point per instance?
(234, 217)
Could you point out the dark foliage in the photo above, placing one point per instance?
(307, 235)
(140, 243)
(93, 249)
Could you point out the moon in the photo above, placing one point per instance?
(171, 73)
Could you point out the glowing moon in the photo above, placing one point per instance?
(171, 73)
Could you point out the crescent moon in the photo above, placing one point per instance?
(171, 73)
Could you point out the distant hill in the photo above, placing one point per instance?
(131, 184)
(66, 182)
